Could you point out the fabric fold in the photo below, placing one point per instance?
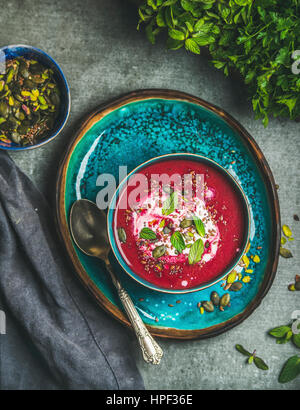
(57, 336)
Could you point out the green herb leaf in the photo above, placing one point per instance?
(250, 360)
(192, 46)
(176, 34)
(147, 233)
(199, 225)
(174, 44)
(162, 223)
(255, 39)
(177, 241)
(279, 331)
(242, 350)
(149, 32)
(260, 363)
(196, 252)
(290, 370)
(296, 340)
(170, 204)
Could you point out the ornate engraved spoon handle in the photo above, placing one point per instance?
(152, 352)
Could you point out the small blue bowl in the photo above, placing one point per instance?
(32, 53)
(201, 159)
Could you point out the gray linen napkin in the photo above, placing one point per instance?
(56, 336)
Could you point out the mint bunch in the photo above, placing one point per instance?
(256, 39)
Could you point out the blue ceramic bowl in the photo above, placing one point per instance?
(33, 53)
(187, 156)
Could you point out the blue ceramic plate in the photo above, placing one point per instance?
(112, 207)
(147, 124)
(29, 52)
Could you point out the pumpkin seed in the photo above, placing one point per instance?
(29, 84)
(159, 251)
(215, 298)
(122, 235)
(256, 259)
(285, 253)
(10, 75)
(208, 306)
(11, 101)
(225, 299)
(42, 100)
(246, 260)
(37, 79)
(236, 286)
(15, 136)
(19, 115)
(287, 231)
(4, 109)
(185, 223)
(23, 70)
(20, 87)
(231, 277)
(166, 230)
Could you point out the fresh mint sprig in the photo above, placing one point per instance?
(252, 358)
(255, 39)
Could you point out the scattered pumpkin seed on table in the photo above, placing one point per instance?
(29, 101)
(287, 231)
(285, 253)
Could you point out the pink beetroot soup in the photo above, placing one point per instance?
(180, 236)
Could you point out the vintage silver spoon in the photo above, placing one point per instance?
(89, 232)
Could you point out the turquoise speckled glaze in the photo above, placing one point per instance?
(137, 132)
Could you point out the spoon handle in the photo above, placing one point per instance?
(152, 352)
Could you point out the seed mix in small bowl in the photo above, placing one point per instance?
(34, 98)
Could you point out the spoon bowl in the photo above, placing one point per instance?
(88, 229)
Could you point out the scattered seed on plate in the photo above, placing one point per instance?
(231, 277)
(256, 259)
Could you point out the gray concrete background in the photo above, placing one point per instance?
(102, 55)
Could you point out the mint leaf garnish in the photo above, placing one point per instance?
(196, 252)
(199, 226)
(170, 204)
(177, 241)
(147, 233)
